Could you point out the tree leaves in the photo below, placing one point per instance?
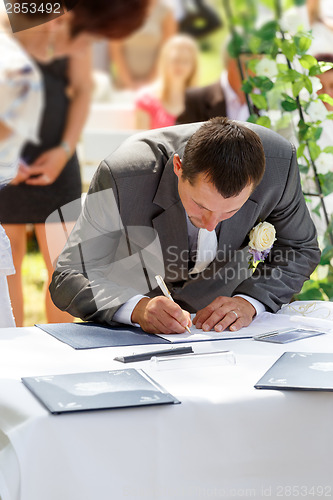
(302, 43)
(326, 98)
(259, 101)
(307, 61)
(288, 104)
(283, 89)
(264, 121)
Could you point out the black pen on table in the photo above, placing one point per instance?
(166, 292)
(143, 356)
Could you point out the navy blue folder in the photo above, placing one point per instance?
(93, 335)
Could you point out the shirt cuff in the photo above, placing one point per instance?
(259, 306)
(124, 313)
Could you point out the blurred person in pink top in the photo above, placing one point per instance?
(159, 104)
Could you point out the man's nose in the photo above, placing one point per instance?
(210, 221)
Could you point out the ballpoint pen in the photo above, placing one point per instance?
(166, 292)
(143, 356)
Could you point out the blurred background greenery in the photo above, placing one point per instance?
(34, 276)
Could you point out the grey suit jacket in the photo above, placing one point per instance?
(138, 181)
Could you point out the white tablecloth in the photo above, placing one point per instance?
(226, 440)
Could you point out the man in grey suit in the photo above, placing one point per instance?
(177, 191)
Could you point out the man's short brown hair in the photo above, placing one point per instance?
(228, 152)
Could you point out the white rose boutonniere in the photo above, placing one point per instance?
(262, 237)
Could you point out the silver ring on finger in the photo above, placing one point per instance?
(234, 314)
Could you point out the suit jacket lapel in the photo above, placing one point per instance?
(171, 226)
(233, 230)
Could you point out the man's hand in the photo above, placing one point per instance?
(160, 315)
(234, 312)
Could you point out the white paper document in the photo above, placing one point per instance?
(265, 322)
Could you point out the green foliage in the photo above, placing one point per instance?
(34, 277)
(302, 43)
(235, 45)
(268, 31)
(288, 104)
(308, 61)
(326, 255)
(282, 86)
(288, 48)
(263, 83)
(312, 291)
(326, 182)
(264, 121)
(314, 150)
(326, 98)
(259, 101)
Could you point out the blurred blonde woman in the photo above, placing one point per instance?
(159, 104)
(135, 58)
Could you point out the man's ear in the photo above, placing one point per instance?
(177, 165)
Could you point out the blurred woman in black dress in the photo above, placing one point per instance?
(49, 175)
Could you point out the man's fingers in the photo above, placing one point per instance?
(221, 315)
(229, 320)
(225, 312)
(234, 324)
(238, 324)
(156, 327)
(170, 324)
(176, 312)
(179, 315)
(168, 316)
(160, 315)
(176, 324)
(203, 315)
(213, 319)
(213, 309)
(188, 317)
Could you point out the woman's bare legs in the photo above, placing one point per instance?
(51, 236)
(18, 241)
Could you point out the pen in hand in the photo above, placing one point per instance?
(166, 292)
